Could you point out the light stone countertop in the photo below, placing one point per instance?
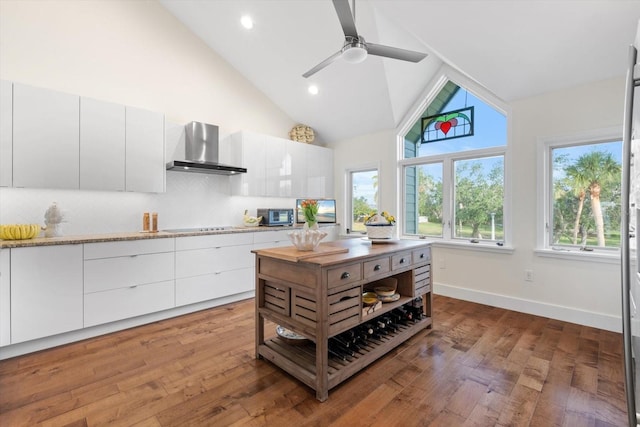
(113, 237)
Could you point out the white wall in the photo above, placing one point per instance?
(578, 291)
(133, 53)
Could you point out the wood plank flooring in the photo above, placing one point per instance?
(479, 366)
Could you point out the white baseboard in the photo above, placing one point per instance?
(566, 314)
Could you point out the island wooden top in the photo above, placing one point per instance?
(334, 252)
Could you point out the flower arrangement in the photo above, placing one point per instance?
(380, 225)
(374, 218)
(310, 211)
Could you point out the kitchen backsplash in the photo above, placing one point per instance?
(191, 200)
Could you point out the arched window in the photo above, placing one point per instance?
(453, 169)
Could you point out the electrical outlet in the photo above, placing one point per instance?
(528, 275)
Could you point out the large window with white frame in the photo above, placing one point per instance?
(454, 169)
(363, 197)
(581, 191)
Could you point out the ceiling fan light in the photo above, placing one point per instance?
(354, 54)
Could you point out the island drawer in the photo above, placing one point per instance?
(343, 308)
(401, 260)
(344, 275)
(376, 267)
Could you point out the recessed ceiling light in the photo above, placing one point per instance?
(313, 90)
(247, 22)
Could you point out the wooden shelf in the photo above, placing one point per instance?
(300, 359)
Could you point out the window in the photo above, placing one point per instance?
(364, 196)
(454, 169)
(582, 190)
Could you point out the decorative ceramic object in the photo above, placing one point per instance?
(308, 238)
(52, 219)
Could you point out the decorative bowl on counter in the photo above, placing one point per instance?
(306, 239)
(19, 231)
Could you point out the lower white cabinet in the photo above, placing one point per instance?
(214, 266)
(46, 291)
(5, 297)
(127, 279)
(123, 303)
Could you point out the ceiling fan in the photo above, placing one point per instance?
(355, 49)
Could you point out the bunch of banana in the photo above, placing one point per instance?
(19, 231)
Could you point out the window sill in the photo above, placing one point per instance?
(466, 245)
(574, 255)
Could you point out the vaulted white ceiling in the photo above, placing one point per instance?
(515, 48)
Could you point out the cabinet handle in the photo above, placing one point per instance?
(133, 286)
(133, 256)
(421, 256)
(401, 260)
(345, 275)
(377, 267)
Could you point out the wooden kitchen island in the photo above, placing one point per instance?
(319, 295)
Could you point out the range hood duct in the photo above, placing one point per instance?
(201, 152)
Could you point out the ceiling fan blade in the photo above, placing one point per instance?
(323, 64)
(346, 18)
(395, 52)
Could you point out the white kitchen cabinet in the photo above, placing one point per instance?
(46, 291)
(278, 167)
(102, 145)
(145, 166)
(319, 172)
(246, 149)
(213, 266)
(127, 279)
(271, 238)
(46, 138)
(6, 133)
(296, 169)
(5, 297)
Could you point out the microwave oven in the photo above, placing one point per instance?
(275, 217)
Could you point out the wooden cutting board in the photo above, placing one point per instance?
(290, 253)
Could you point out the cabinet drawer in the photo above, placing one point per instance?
(344, 275)
(276, 297)
(191, 290)
(343, 308)
(421, 255)
(213, 241)
(128, 248)
(401, 260)
(118, 304)
(377, 266)
(275, 237)
(422, 280)
(123, 272)
(213, 260)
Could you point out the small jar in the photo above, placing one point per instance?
(145, 221)
(154, 221)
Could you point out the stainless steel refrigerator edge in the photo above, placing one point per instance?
(629, 207)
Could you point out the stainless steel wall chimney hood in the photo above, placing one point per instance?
(201, 152)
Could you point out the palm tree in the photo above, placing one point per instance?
(590, 173)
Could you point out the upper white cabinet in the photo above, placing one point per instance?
(319, 168)
(46, 127)
(278, 167)
(46, 291)
(102, 145)
(247, 149)
(145, 165)
(6, 133)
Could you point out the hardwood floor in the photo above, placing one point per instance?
(479, 366)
